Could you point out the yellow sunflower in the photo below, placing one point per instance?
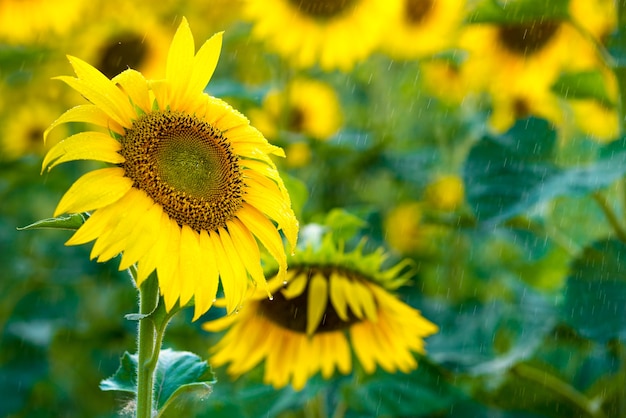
(130, 38)
(306, 106)
(333, 303)
(27, 21)
(423, 27)
(517, 64)
(192, 184)
(445, 193)
(310, 32)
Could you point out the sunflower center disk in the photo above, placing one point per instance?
(125, 51)
(416, 11)
(527, 38)
(292, 313)
(185, 165)
(322, 9)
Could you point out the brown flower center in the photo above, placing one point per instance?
(185, 165)
(527, 38)
(292, 313)
(127, 50)
(322, 9)
(416, 11)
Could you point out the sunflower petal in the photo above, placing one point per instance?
(95, 146)
(250, 254)
(317, 302)
(94, 190)
(338, 295)
(207, 288)
(88, 113)
(205, 62)
(180, 60)
(238, 284)
(135, 85)
(190, 263)
(143, 236)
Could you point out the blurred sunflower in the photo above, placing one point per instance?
(423, 27)
(518, 63)
(134, 39)
(306, 106)
(192, 183)
(407, 231)
(33, 21)
(309, 32)
(445, 193)
(332, 301)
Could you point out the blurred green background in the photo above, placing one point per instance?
(506, 188)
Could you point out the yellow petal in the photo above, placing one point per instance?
(365, 296)
(338, 295)
(102, 92)
(142, 237)
(236, 285)
(135, 85)
(95, 225)
(180, 64)
(248, 249)
(220, 324)
(149, 261)
(84, 146)
(205, 63)
(207, 288)
(94, 190)
(317, 301)
(296, 286)
(265, 231)
(85, 113)
(190, 263)
(167, 267)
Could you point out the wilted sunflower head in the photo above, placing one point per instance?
(332, 304)
(190, 188)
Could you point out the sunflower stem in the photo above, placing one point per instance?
(148, 346)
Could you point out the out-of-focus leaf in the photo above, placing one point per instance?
(509, 174)
(298, 193)
(420, 393)
(175, 369)
(584, 85)
(343, 224)
(595, 293)
(518, 11)
(71, 222)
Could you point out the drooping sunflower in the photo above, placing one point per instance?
(306, 106)
(192, 187)
(423, 27)
(333, 303)
(310, 32)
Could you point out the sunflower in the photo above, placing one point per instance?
(517, 64)
(191, 187)
(305, 106)
(27, 21)
(309, 32)
(423, 27)
(333, 303)
(131, 38)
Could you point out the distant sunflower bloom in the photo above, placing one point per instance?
(310, 32)
(192, 184)
(423, 27)
(332, 305)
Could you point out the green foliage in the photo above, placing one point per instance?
(518, 11)
(583, 85)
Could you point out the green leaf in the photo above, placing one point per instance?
(186, 400)
(595, 295)
(518, 11)
(298, 193)
(422, 392)
(583, 85)
(71, 222)
(509, 174)
(178, 374)
(344, 224)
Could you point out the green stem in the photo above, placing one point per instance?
(559, 387)
(147, 348)
(610, 216)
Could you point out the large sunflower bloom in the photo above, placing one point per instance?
(332, 304)
(191, 185)
(309, 32)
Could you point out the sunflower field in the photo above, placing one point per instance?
(313, 208)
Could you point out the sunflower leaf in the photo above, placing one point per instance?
(518, 11)
(584, 85)
(595, 294)
(509, 174)
(71, 222)
(180, 377)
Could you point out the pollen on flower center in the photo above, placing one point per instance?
(527, 38)
(185, 165)
(122, 52)
(292, 313)
(322, 9)
(415, 11)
